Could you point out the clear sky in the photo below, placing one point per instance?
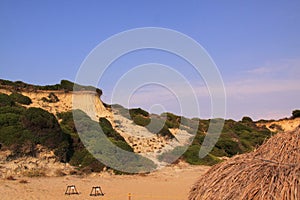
(255, 44)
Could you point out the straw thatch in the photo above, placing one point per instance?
(271, 172)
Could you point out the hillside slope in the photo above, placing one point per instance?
(29, 114)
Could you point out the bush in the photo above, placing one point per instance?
(67, 85)
(229, 146)
(17, 97)
(122, 144)
(5, 100)
(44, 126)
(109, 131)
(295, 114)
(141, 120)
(192, 157)
(246, 119)
(138, 111)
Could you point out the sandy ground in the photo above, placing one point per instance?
(169, 183)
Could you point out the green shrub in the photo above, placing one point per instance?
(295, 114)
(17, 97)
(121, 144)
(44, 126)
(109, 131)
(141, 120)
(6, 100)
(66, 85)
(229, 146)
(192, 157)
(246, 119)
(138, 111)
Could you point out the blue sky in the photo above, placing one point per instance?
(255, 45)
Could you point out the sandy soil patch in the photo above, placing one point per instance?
(169, 183)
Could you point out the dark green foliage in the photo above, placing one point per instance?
(91, 134)
(138, 111)
(141, 120)
(5, 100)
(228, 146)
(199, 138)
(44, 126)
(17, 97)
(104, 149)
(16, 85)
(295, 114)
(64, 85)
(121, 144)
(113, 135)
(49, 87)
(21, 129)
(85, 161)
(246, 119)
(192, 157)
(236, 138)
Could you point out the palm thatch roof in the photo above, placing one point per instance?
(271, 172)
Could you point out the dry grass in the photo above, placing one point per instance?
(271, 172)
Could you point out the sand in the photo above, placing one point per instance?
(169, 183)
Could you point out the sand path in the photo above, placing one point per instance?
(169, 183)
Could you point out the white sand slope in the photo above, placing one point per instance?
(146, 143)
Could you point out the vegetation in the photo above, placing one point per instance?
(236, 138)
(138, 111)
(19, 98)
(114, 137)
(5, 100)
(64, 85)
(91, 140)
(80, 156)
(21, 129)
(295, 114)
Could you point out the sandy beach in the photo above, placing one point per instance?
(169, 183)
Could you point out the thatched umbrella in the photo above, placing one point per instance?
(271, 172)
